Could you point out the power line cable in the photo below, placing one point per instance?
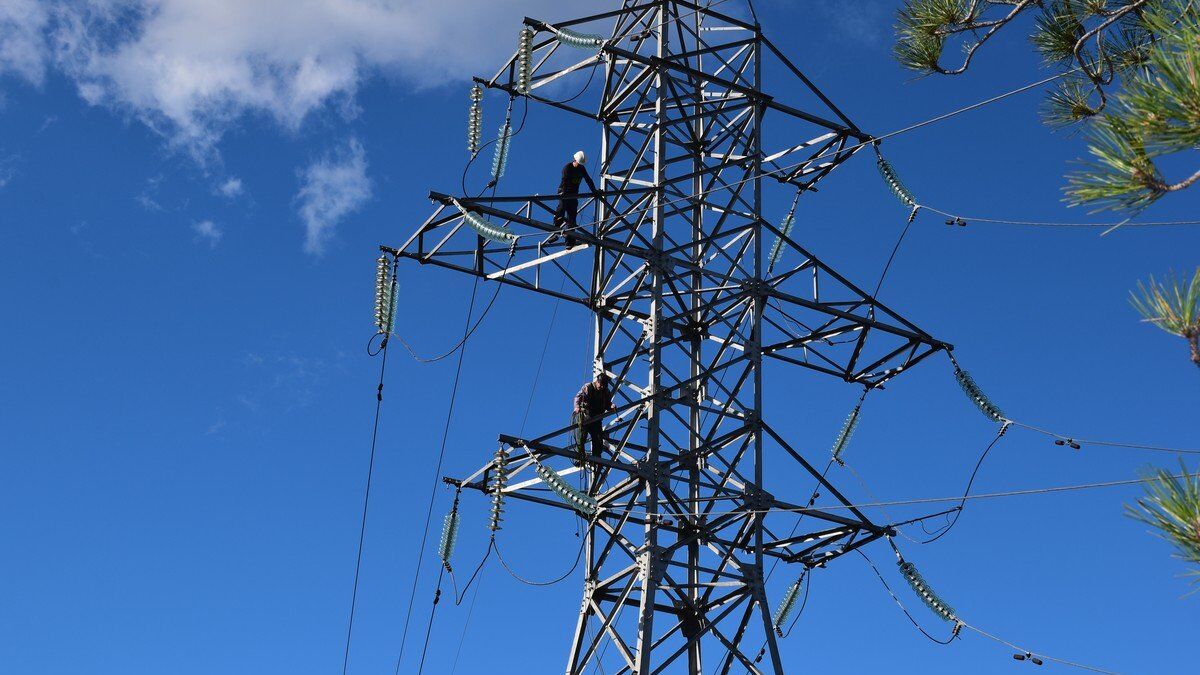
(466, 334)
(959, 623)
(967, 491)
(362, 532)
(437, 471)
(462, 638)
(437, 596)
(901, 604)
(529, 582)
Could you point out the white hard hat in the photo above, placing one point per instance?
(580, 157)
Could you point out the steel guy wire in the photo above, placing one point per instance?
(931, 500)
(1110, 444)
(1044, 656)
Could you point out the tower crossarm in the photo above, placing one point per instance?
(813, 316)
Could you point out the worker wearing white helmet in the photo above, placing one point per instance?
(573, 174)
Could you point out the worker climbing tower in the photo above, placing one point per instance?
(695, 291)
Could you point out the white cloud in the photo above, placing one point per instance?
(192, 68)
(148, 197)
(208, 232)
(331, 188)
(8, 169)
(867, 24)
(23, 49)
(231, 188)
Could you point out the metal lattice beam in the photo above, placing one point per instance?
(687, 310)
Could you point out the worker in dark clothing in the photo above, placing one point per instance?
(568, 196)
(592, 401)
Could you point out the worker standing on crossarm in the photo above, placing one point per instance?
(592, 401)
(568, 196)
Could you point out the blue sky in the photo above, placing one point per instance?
(191, 196)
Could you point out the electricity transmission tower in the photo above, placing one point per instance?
(693, 292)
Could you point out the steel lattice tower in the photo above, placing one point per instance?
(689, 306)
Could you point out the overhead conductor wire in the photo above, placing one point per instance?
(362, 532)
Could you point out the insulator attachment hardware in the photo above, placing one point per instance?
(576, 39)
(888, 173)
(385, 300)
(498, 483)
(484, 227)
(980, 399)
(583, 503)
(843, 437)
(524, 73)
(787, 604)
(449, 535)
(475, 120)
(923, 591)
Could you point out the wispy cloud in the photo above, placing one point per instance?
(866, 23)
(191, 70)
(148, 197)
(23, 48)
(231, 188)
(208, 232)
(331, 188)
(48, 122)
(8, 169)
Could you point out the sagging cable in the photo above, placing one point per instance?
(787, 604)
(475, 120)
(498, 482)
(583, 503)
(385, 296)
(570, 38)
(973, 392)
(484, 227)
(524, 73)
(449, 534)
(888, 173)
